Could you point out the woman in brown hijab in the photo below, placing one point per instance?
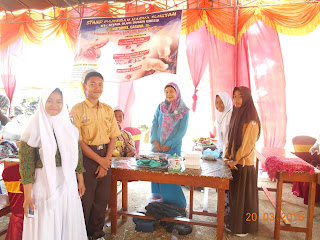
(243, 134)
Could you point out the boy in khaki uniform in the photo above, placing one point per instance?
(98, 131)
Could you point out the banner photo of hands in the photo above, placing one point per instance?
(129, 48)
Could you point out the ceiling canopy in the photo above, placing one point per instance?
(15, 5)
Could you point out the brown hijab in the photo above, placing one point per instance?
(240, 116)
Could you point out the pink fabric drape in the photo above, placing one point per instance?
(221, 68)
(197, 54)
(126, 98)
(243, 72)
(8, 70)
(267, 65)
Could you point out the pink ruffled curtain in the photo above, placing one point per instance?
(221, 68)
(267, 65)
(9, 69)
(197, 54)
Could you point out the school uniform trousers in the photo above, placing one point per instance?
(97, 194)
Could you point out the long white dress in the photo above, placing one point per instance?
(60, 217)
(58, 211)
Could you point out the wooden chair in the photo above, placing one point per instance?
(302, 145)
(11, 177)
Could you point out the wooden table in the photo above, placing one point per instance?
(261, 155)
(213, 174)
(4, 209)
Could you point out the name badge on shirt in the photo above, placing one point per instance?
(85, 120)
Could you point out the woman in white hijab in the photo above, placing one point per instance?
(50, 164)
(224, 105)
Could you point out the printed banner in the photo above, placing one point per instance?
(129, 48)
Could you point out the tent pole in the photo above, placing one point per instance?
(236, 9)
(136, 6)
(107, 8)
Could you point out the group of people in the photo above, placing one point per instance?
(65, 167)
(65, 163)
(238, 129)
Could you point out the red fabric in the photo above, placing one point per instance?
(221, 68)
(15, 227)
(197, 54)
(14, 232)
(303, 140)
(8, 69)
(314, 159)
(301, 189)
(275, 164)
(135, 131)
(268, 69)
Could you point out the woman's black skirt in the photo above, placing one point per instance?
(244, 202)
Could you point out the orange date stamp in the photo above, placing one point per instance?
(252, 217)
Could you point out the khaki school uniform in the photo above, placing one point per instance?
(243, 194)
(246, 154)
(96, 125)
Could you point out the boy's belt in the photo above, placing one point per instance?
(99, 147)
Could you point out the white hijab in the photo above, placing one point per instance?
(41, 132)
(223, 120)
